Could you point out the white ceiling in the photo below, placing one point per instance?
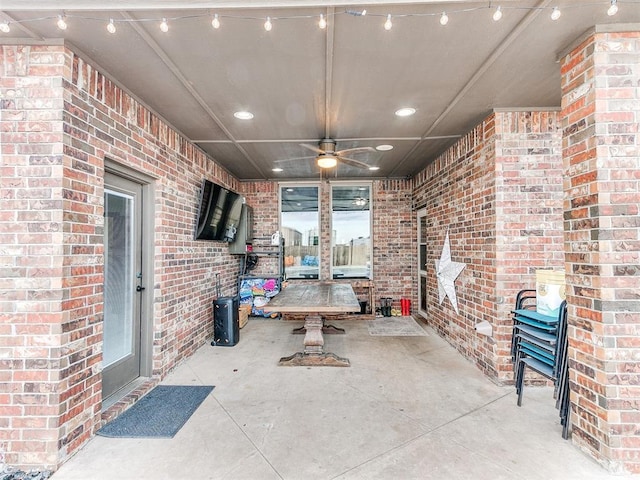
(304, 84)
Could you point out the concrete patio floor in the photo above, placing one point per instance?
(407, 408)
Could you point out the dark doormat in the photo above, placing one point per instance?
(159, 414)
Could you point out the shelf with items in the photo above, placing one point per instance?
(257, 286)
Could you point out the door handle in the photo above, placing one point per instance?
(139, 288)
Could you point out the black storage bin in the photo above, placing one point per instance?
(226, 327)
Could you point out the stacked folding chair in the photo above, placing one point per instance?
(539, 342)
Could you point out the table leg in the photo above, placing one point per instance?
(313, 354)
(326, 329)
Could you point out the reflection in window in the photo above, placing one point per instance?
(299, 220)
(351, 231)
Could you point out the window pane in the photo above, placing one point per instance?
(351, 235)
(118, 276)
(299, 220)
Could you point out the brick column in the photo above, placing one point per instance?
(601, 113)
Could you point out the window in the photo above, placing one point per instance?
(351, 230)
(300, 225)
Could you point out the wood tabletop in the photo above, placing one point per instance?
(314, 298)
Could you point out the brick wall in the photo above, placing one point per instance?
(498, 191)
(601, 114)
(32, 256)
(60, 119)
(393, 231)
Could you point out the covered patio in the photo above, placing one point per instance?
(413, 409)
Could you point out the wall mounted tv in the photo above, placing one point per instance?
(218, 214)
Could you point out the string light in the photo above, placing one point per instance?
(388, 24)
(111, 26)
(323, 19)
(62, 24)
(215, 23)
(497, 15)
(323, 22)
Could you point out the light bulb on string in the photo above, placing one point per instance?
(111, 26)
(62, 24)
(388, 24)
(444, 19)
(497, 15)
(613, 8)
(164, 26)
(268, 25)
(4, 27)
(215, 23)
(322, 23)
(555, 13)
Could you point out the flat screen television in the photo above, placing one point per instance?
(219, 213)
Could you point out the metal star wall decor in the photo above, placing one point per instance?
(447, 272)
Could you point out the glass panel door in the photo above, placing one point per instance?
(122, 277)
(422, 262)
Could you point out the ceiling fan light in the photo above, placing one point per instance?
(326, 161)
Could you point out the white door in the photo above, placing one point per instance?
(123, 287)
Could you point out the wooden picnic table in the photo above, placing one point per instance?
(315, 300)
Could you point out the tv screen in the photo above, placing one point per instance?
(218, 214)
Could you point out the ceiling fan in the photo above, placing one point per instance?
(328, 157)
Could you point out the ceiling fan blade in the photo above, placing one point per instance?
(312, 148)
(353, 162)
(354, 150)
(284, 160)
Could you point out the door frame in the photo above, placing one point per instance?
(421, 213)
(147, 255)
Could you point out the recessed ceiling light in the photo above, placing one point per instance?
(405, 112)
(276, 169)
(242, 115)
(385, 148)
(374, 168)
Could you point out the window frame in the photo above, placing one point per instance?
(347, 183)
(303, 184)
